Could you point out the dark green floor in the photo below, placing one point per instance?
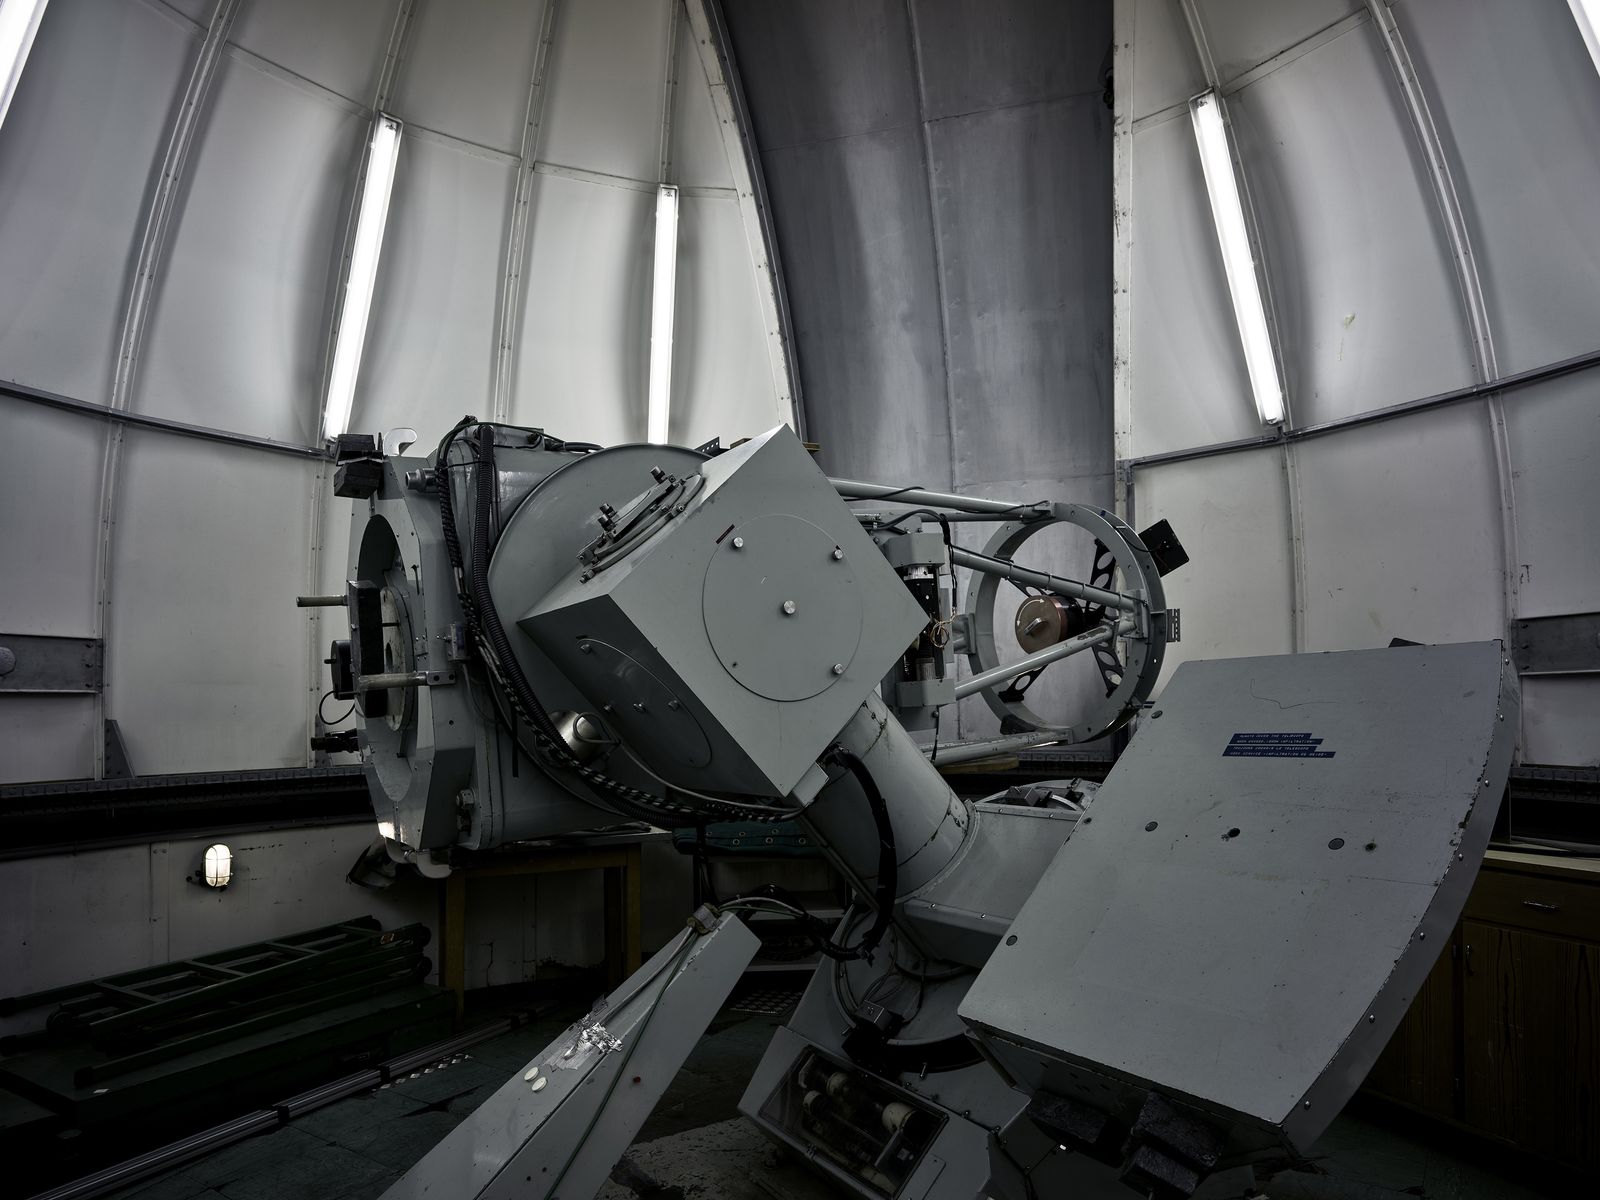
(357, 1147)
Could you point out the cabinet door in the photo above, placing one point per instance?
(1418, 1066)
(1531, 1011)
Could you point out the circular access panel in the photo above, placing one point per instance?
(782, 612)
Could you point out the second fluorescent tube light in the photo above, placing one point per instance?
(19, 21)
(1227, 214)
(662, 300)
(363, 273)
(1587, 14)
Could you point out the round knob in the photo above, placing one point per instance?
(788, 608)
(738, 543)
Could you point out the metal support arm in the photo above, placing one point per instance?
(1074, 645)
(559, 1126)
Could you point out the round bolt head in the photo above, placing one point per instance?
(585, 648)
(837, 554)
(738, 543)
(538, 1084)
(838, 668)
(788, 608)
(530, 1073)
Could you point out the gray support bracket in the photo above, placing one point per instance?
(1563, 645)
(558, 1127)
(41, 665)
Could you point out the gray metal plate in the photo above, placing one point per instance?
(781, 611)
(1261, 886)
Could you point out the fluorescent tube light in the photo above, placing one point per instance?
(1227, 214)
(1587, 14)
(19, 21)
(663, 297)
(363, 274)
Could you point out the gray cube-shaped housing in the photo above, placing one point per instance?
(731, 647)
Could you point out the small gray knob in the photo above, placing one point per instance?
(788, 608)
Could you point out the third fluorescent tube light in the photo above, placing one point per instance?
(19, 21)
(363, 275)
(662, 299)
(1227, 214)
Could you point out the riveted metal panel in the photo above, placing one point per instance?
(1166, 70)
(204, 666)
(604, 111)
(84, 126)
(583, 365)
(721, 379)
(857, 243)
(237, 327)
(1560, 720)
(430, 343)
(467, 72)
(1264, 881)
(1242, 35)
(342, 52)
(1401, 532)
(1190, 386)
(1235, 590)
(1526, 143)
(698, 157)
(1554, 432)
(1373, 315)
(1029, 342)
(818, 71)
(975, 56)
(48, 519)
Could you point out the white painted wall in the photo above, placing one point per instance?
(208, 664)
(1392, 529)
(67, 917)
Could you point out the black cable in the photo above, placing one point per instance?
(886, 886)
(321, 716)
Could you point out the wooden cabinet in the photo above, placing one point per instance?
(1504, 1038)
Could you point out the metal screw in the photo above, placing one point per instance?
(738, 543)
(585, 648)
(673, 705)
(788, 608)
(1371, 1017)
(638, 706)
(837, 553)
(838, 668)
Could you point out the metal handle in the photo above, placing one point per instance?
(1541, 906)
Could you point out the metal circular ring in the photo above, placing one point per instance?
(1143, 649)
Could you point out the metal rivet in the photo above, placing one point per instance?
(538, 1084)
(1423, 936)
(1155, 714)
(738, 543)
(1150, 826)
(788, 608)
(638, 706)
(837, 553)
(1336, 844)
(530, 1073)
(673, 705)
(1307, 1104)
(838, 668)
(585, 648)
(1371, 1017)
(1012, 940)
